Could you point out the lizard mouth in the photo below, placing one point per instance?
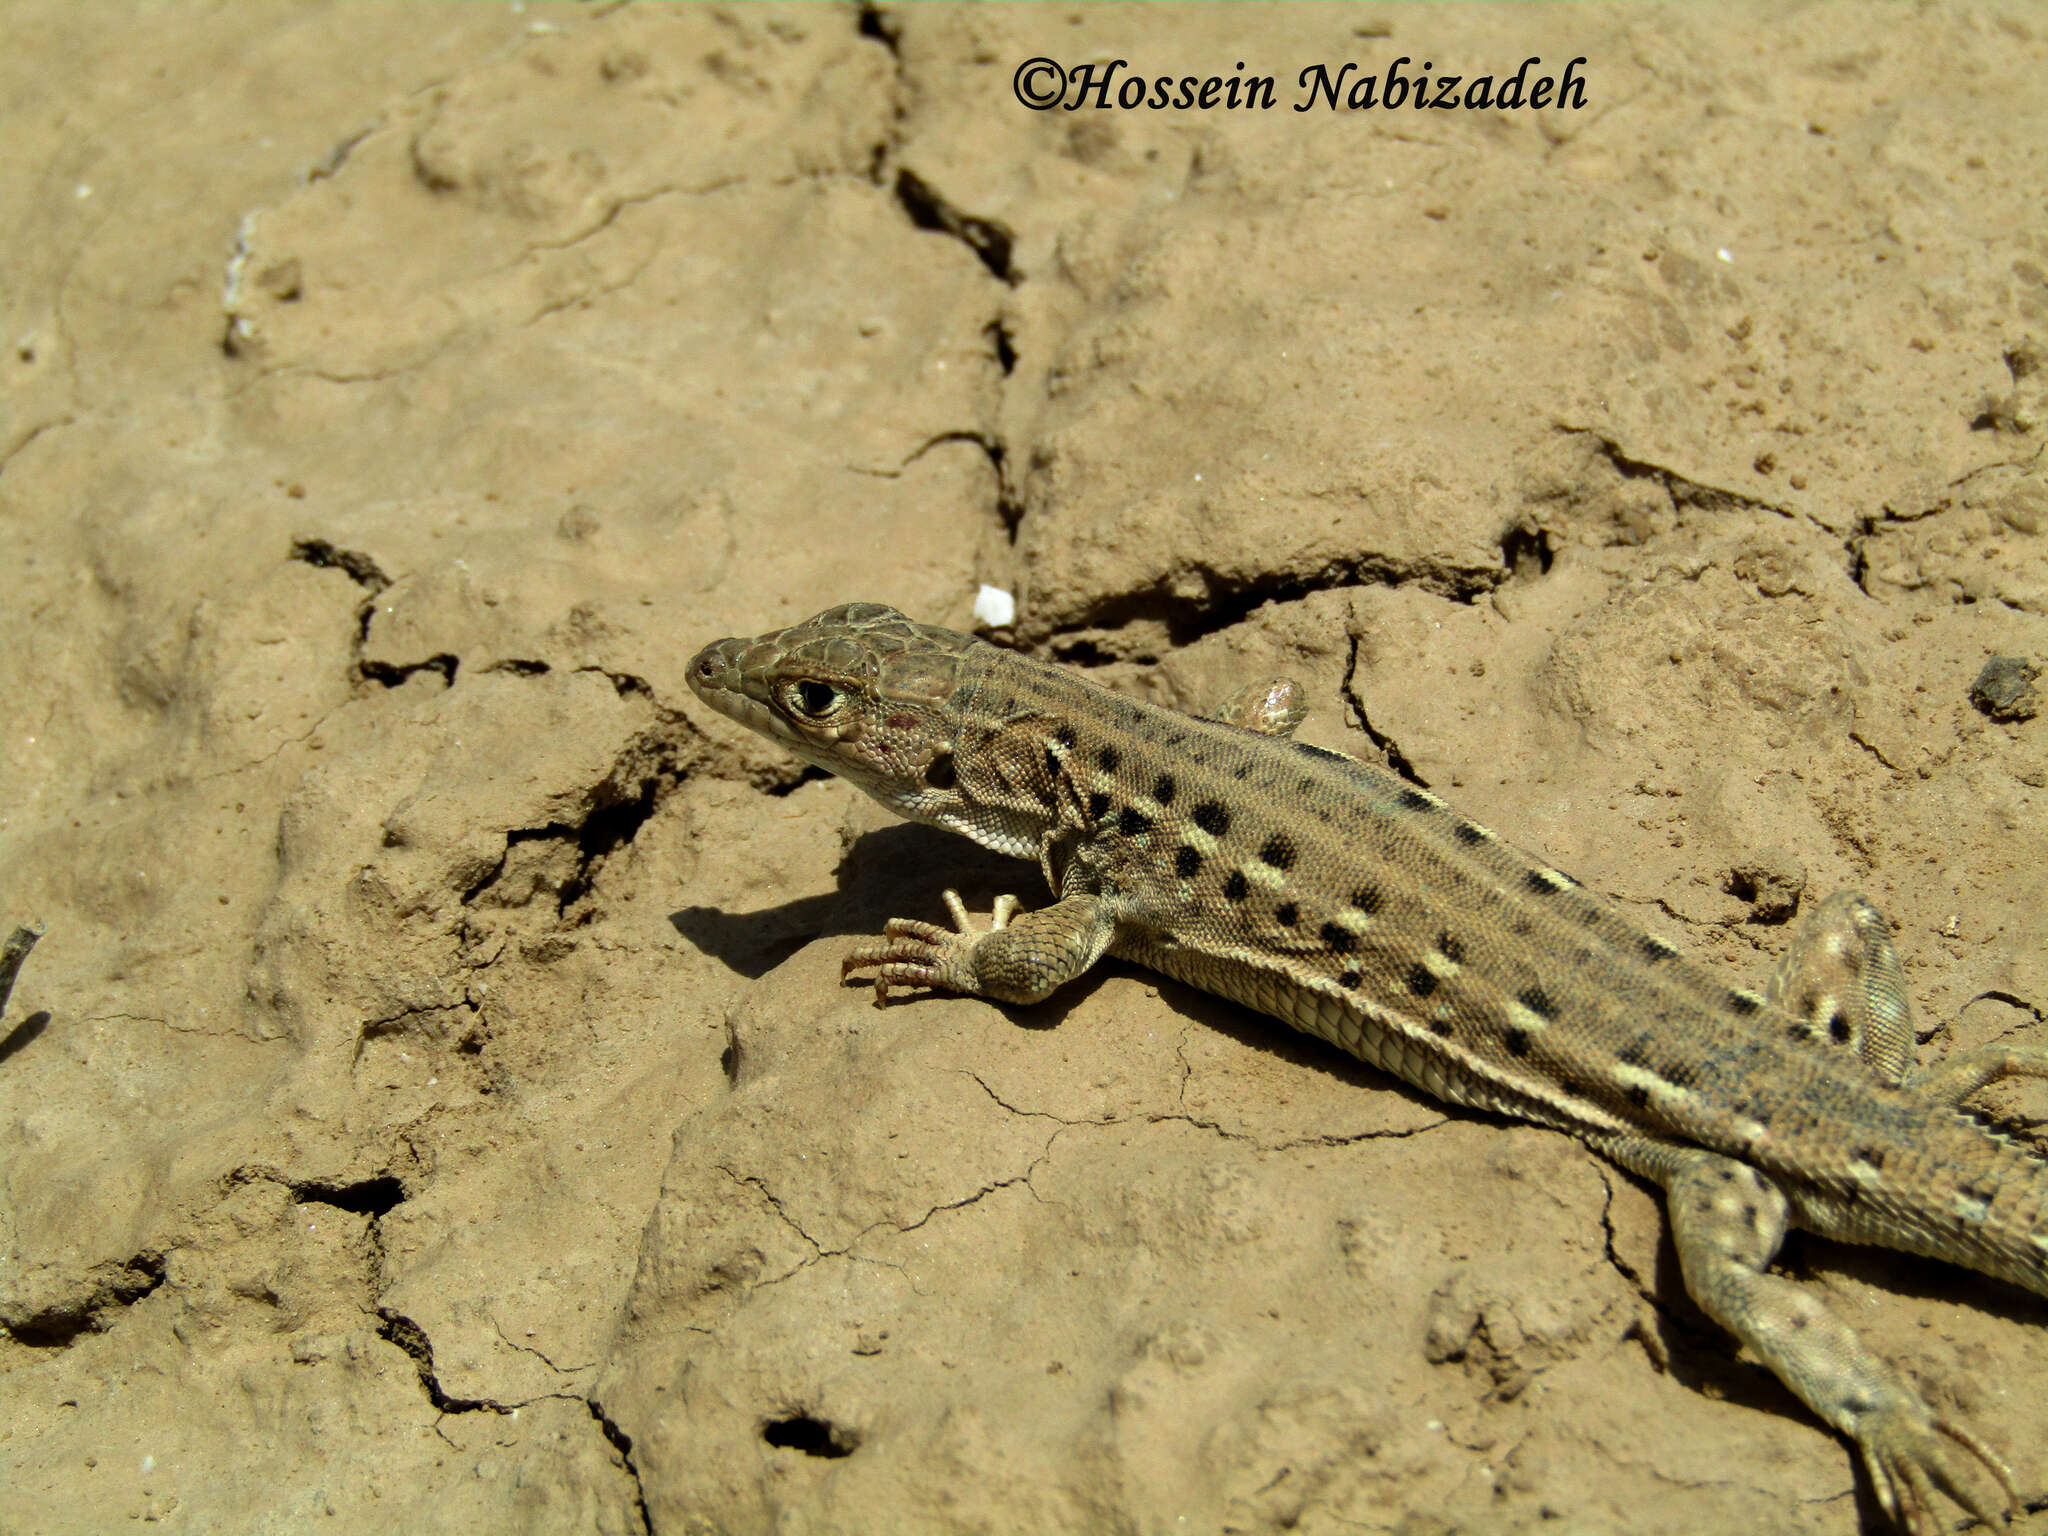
(717, 677)
(714, 677)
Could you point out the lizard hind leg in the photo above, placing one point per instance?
(1964, 1073)
(1272, 707)
(1727, 1221)
(1841, 976)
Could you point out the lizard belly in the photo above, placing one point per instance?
(1332, 1016)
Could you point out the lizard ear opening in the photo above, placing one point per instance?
(940, 773)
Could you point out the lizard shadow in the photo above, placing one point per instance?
(889, 872)
(23, 1034)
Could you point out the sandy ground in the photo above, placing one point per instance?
(433, 1105)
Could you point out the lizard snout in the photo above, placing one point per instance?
(711, 670)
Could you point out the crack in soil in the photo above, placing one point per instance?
(990, 239)
(398, 1329)
(31, 435)
(1683, 492)
(1192, 603)
(1326, 1139)
(647, 770)
(1389, 749)
(116, 1286)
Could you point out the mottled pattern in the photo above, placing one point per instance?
(1333, 895)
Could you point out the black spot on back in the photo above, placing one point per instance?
(1367, 899)
(1212, 818)
(1537, 1001)
(1349, 979)
(1278, 851)
(1469, 834)
(1541, 883)
(1098, 805)
(1838, 1026)
(1655, 949)
(1236, 888)
(1743, 1003)
(1287, 914)
(1415, 800)
(1322, 752)
(1133, 823)
(1340, 940)
(1421, 979)
(1107, 758)
(1163, 791)
(1440, 1026)
(1187, 862)
(1517, 1042)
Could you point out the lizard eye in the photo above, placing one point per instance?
(813, 699)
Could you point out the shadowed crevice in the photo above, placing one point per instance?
(811, 1435)
(122, 1287)
(990, 239)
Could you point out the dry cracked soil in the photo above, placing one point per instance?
(433, 1105)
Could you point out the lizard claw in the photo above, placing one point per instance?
(919, 954)
(1903, 1448)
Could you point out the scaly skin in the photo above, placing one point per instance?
(1332, 895)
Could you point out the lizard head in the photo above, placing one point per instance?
(860, 691)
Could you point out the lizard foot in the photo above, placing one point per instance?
(918, 954)
(1903, 1447)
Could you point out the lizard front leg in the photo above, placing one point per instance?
(1019, 959)
(1727, 1221)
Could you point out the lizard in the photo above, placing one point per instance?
(1339, 898)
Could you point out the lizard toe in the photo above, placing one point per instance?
(911, 954)
(1910, 1451)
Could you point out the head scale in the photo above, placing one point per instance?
(860, 690)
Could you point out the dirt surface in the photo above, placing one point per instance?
(433, 1105)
